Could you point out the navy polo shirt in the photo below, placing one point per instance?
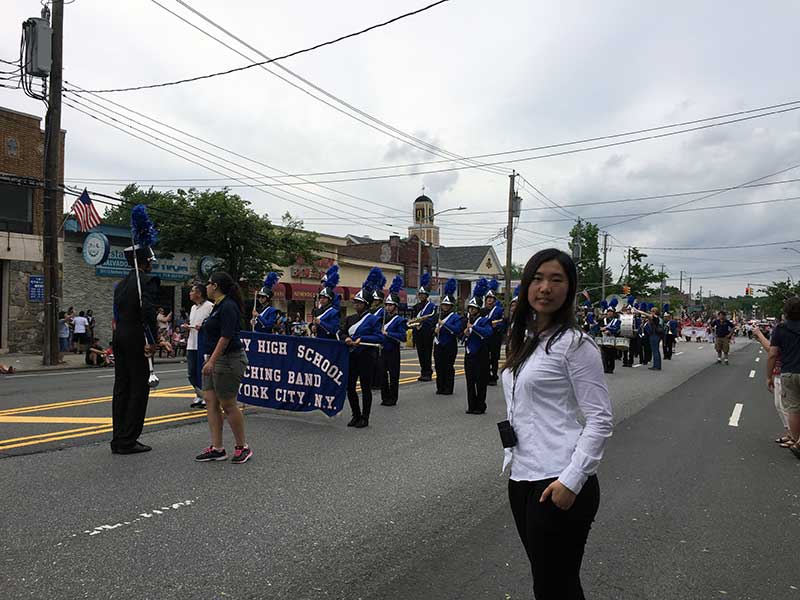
(722, 327)
(224, 321)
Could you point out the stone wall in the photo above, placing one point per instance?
(25, 318)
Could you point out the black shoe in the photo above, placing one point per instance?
(135, 449)
(424, 378)
(361, 423)
(471, 412)
(354, 421)
(198, 403)
(211, 454)
(492, 383)
(437, 392)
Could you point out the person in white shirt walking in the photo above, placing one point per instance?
(81, 325)
(553, 374)
(200, 310)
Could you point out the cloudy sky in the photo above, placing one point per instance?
(471, 77)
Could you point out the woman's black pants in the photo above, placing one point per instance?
(554, 539)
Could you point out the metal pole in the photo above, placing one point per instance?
(629, 268)
(661, 303)
(52, 194)
(680, 285)
(690, 289)
(509, 237)
(603, 274)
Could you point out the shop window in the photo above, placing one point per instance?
(16, 210)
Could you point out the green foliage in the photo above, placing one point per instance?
(770, 301)
(590, 266)
(221, 224)
(643, 278)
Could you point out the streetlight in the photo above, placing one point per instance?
(793, 249)
(419, 240)
(788, 274)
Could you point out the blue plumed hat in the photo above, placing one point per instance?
(494, 285)
(269, 284)
(394, 290)
(614, 302)
(377, 292)
(371, 283)
(604, 304)
(329, 282)
(449, 296)
(424, 284)
(481, 287)
(144, 236)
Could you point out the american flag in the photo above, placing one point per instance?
(85, 212)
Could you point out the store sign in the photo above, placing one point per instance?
(177, 268)
(316, 270)
(36, 288)
(96, 248)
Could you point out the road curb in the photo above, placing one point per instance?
(82, 367)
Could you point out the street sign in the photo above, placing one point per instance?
(36, 288)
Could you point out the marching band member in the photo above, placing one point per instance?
(394, 334)
(628, 353)
(423, 322)
(494, 310)
(377, 310)
(361, 328)
(135, 299)
(326, 322)
(670, 333)
(445, 345)
(646, 354)
(512, 307)
(476, 355)
(611, 325)
(264, 320)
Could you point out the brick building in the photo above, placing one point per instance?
(21, 220)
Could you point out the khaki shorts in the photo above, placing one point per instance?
(790, 392)
(227, 375)
(722, 345)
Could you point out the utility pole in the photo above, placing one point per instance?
(661, 302)
(603, 273)
(680, 285)
(690, 289)
(628, 280)
(52, 138)
(577, 251)
(510, 237)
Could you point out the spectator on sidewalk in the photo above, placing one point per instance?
(164, 321)
(785, 342)
(90, 325)
(723, 331)
(199, 312)
(70, 316)
(63, 336)
(81, 325)
(95, 354)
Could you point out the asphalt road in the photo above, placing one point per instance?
(414, 506)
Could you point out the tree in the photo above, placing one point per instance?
(771, 303)
(642, 276)
(220, 224)
(590, 267)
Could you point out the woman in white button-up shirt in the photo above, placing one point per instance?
(553, 379)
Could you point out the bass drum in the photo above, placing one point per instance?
(626, 326)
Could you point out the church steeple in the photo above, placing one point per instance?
(423, 216)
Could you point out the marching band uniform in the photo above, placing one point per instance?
(445, 344)
(423, 332)
(496, 340)
(362, 326)
(378, 311)
(326, 318)
(265, 321)
(476, 356)
(394, 334)
(135, 321)
(611, 326)
(670, 335)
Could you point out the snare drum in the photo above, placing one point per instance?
(626, 326)
(622, 343)
(607, 340)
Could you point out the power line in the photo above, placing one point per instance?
(415, 142)
(737, 246)
(520, 150)
(233, 162)
(705, 197)
(285, 56)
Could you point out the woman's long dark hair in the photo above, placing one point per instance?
(521, 345)
(228, 286)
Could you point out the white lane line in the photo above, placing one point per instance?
(752, 373)
(699, 347)
(145, 515)
(737, 412)
(758, 358)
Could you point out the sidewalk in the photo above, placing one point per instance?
(31, 363)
